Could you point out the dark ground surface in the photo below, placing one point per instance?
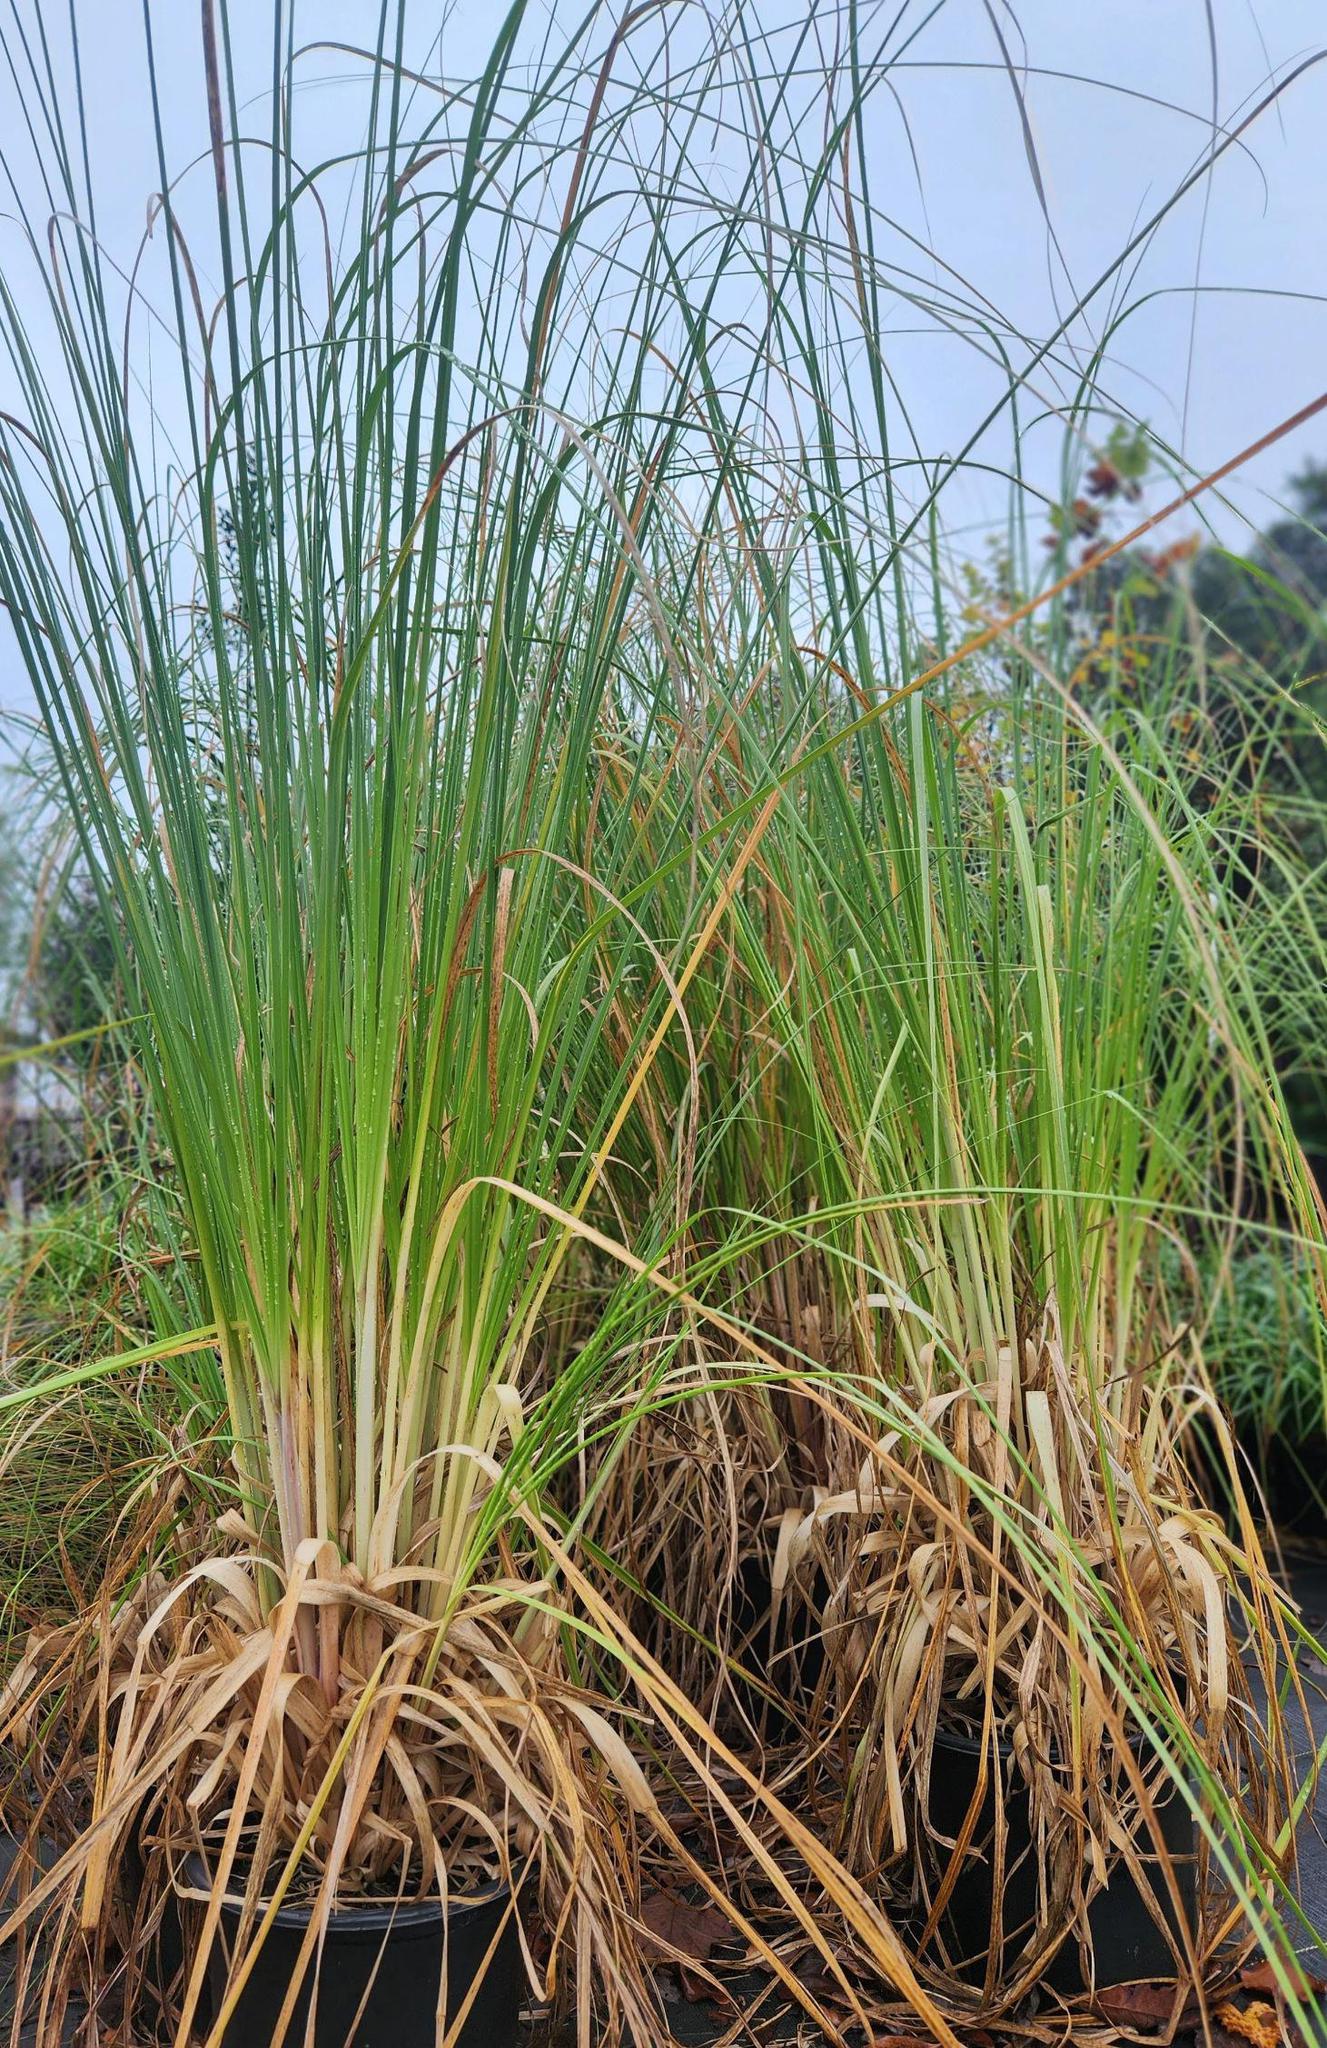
(695, 2024)
(1308, 1580)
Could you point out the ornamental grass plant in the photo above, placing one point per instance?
(666, 1051)
(1003, 1066)
(355, 601)
(1076, 1083)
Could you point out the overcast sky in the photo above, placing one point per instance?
(1226, 330)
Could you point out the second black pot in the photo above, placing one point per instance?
(1127, 1943)
(384, 1963)
(785, 1655)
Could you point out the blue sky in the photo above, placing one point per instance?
(1027, 195)
(1229, 327)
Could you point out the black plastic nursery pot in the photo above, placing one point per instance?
(785, 1655)
(1127, 1943)
(1283, 1471)
(380, 1973)
(1292, 1483)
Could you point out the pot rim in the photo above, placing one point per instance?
(361, 1921)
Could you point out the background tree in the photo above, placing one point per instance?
(1203, 635)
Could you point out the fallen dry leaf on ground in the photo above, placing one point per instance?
(1142, 2005)
(1262, 1977)
(694, 1931)
(1257, 2023)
